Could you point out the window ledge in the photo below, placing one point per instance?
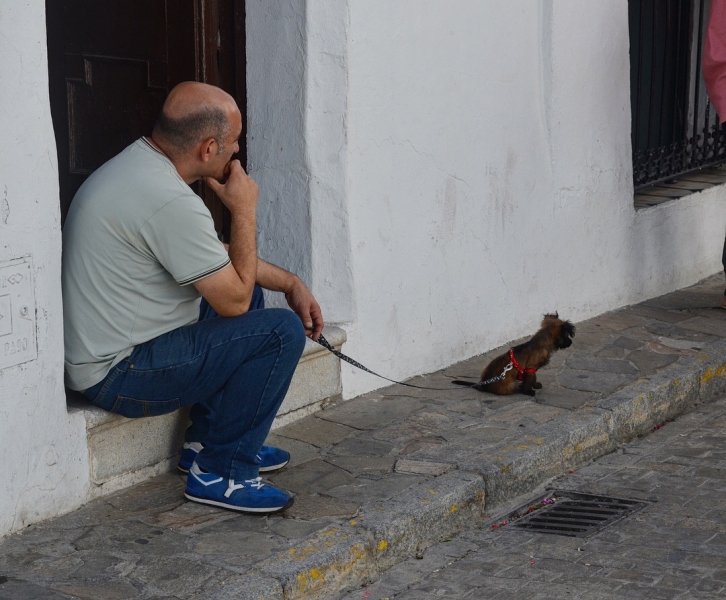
(683, 185)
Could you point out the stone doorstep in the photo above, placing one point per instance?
(124, 452)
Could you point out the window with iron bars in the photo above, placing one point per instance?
(675, 127)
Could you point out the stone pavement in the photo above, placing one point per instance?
(674, 548)
(382, 477)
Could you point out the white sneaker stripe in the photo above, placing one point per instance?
(207, 483)
(232, 488)
(195, 471)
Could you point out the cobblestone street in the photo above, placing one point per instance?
(674, 548)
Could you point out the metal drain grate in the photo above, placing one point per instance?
(575, 514)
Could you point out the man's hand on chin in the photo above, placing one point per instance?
(301, 300)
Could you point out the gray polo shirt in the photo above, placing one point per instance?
(135, 238)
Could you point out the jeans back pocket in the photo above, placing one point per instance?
(133, 408)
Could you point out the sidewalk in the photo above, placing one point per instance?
(381, 477)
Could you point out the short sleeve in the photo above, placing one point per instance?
(182, 237)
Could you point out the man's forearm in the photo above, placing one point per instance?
(272, 277)
(297, 294)
(243, 247)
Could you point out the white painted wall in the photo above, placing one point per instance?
(297, 83)
(487, 172)
(45, 457)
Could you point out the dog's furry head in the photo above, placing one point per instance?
(562, 331)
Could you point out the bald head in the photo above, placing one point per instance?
(194, 112)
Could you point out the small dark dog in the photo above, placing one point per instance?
(516, 370)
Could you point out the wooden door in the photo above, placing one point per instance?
(112, 62)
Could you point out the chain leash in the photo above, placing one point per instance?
(509, 367)
(326, 344)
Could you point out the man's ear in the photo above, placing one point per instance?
(208, 150)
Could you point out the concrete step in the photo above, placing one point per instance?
(123, 452)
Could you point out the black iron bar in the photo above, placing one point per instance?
(678, 101)
(663, 104)
(638, 84)
(653, 62)
(696, 74)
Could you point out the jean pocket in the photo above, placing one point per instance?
(134, 408)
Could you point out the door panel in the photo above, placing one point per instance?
(111, 64)
(107, 108)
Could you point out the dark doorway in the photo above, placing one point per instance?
(112, 62)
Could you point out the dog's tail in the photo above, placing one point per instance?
(466, 383)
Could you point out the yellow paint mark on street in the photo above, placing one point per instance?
(711, 373)
(506, 468)
(382, 545)
(454, 509)
(589, 443)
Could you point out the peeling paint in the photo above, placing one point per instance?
(5, 207)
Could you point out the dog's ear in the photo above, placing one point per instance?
(549, 320)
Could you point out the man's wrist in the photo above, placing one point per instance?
(293, 281)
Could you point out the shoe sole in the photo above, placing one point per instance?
(262, 469)
(273, 467)
(193, 498)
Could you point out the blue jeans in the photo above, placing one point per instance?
(234, 373)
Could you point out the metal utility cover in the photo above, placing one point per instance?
(575, 514)
(17, 313)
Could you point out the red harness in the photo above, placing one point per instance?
(520, 370)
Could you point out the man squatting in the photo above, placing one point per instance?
(139, 248)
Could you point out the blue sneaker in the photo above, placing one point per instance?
(188, 454)
(271, 458)
(250, 495)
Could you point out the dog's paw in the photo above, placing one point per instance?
(537, 385)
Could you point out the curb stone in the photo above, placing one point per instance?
(424, 514)
(332, 559)
(379, 537)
